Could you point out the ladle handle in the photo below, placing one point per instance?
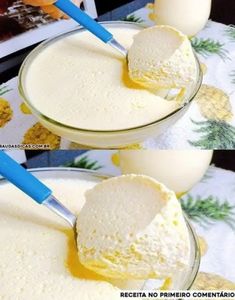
(23, 179)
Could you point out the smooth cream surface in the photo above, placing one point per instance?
(38, 256)
(81, 82)
(132, 227)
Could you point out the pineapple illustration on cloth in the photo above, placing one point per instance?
(215, 106)
(207, 281)
(5, 108)
(5, 112)
(38, 134)
(214, 103)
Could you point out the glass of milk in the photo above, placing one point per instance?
(188, 16)
(179, 170)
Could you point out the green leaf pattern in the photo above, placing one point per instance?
(207, 47)
(4, 89)
(84, 163)
(209, 210)
(230, 32)
(133, 18)
(214, 135)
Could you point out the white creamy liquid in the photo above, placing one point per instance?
(179, 170)
(82, 82)
(38, 255)
(188, 16)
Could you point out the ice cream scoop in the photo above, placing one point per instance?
(132, 227)
(161, 57)
(69, 8)
(33, 187)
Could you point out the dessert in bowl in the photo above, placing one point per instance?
(40, 251)
(80, 89)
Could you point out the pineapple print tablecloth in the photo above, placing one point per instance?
(209, 123)
(211, 208)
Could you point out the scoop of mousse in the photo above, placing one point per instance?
(161, 57)
(132, 227)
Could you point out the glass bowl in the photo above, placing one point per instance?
(183, 280)
(105, 138)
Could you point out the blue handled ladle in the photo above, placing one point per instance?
(86, 21)
(34, 188)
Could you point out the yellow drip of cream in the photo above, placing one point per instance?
(126, 78)
(73, 264)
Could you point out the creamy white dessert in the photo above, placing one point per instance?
(132, 226)
(161, 57)
(179, 170)
(81, 82)
(38, 255)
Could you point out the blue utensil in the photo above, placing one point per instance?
(33, 187)
(90, 24)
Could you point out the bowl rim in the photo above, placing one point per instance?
(93, 173)
(37, 50)
(197, 256)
